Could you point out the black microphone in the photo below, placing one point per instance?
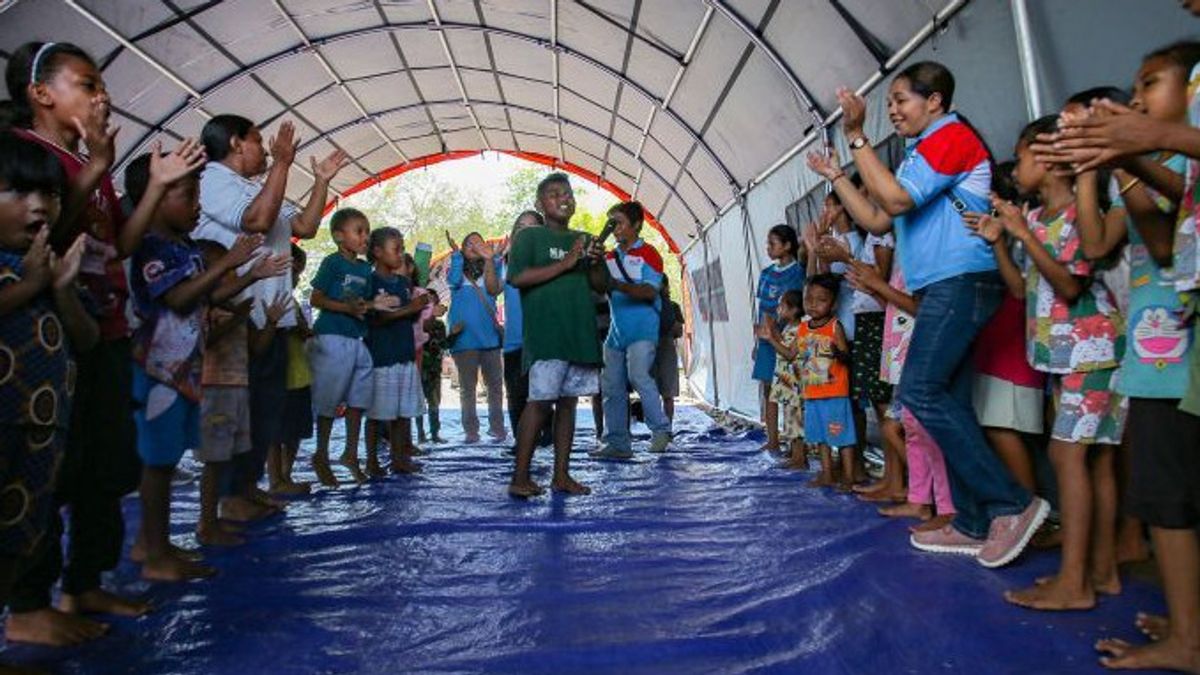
(607, 230)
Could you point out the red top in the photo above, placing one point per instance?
(1000, 347)
(101, 271)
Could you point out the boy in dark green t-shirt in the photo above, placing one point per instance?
(561, 352)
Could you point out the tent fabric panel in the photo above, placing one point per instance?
(421, 49)
(480, 86)
(844, 61)
(622, 161)
(189, 55)
(437, 85)
(526, 92)
(538, 144)
(134, 86)
(329, 109)
(466, 139)
(524, 120)
(592, 143)
(586, 79)
(44, 20)
(582, 159)
(691, 193)
(591, 35)
(627, 135)
(670, 24)
(531, 17)
(296, 77)
(500, 140)
(379, 159)
(129, 18)
(357, 140)
(468, 47)
(384, 92)
(520, 56)
(711, 67)
(584, 112)
(420, 147)
(634, 107)
(894, 22)
(243, 28)
(654, 155)
(318, 18)
(361, 56)
(652, 69)
(710, 178)
(652, 192)
(667, 133)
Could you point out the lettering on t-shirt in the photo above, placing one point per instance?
(557, 253)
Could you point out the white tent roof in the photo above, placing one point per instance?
(680, 103)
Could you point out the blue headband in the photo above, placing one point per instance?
(37, 58)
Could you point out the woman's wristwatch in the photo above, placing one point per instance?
(858, 143)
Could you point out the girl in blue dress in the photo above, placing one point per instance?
(784, 275)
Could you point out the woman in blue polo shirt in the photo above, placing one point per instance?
(946, 172)
(476, 335)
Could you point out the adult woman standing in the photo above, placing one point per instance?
(475, 332)
(946, 172)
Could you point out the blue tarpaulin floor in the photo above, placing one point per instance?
(706, 559)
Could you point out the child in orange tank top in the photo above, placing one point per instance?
(825, 353)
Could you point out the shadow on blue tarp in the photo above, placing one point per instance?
(707, 559)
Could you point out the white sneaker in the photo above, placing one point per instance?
(659, 441)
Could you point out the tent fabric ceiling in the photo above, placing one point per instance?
(679, 103)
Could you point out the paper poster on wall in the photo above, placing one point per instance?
(712, 305)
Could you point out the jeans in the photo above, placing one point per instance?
(631, 366)
(469, 363)
(936, 388)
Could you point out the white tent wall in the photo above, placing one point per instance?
(980, 47)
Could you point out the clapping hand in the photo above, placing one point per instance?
(271, 266)
(64, 270)
(242, 250)
(326, 169)
(98, 137)
(280, 305)
(284, 143)
(166, 169)
(983, 225)
(35, 265)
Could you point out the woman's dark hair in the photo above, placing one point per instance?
(927, 78)
(9, 114)
(21, 71)
(1114, 94)
(220, 131)
(631, 210)
(532, 214)
(1184, 54)
(27, 167)
(827, 280)
(1002, 181)
(787, 234)
(379, 238)
(343, 216)
(792, 298)
(1046, 124)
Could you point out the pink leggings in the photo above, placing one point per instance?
(926, 467)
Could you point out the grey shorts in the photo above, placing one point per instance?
(553, 379)
(224, 423)
(342, 373)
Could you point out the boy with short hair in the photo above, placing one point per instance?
(561, 352)
(171, 288)
(397, 382)
(341, 364)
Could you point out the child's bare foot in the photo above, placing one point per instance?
(1132, 548)
(907, 510)
(1107, 586)
(568, 485)
(1052, 596)
(1170, 653)
(1153, 626)
(218, 536)
(821, 480)
(524, 489)
(869, 488)
(241, 509)
(356, 473)
(883, 496)
(374, 470)
(52, 628)
(324, 473)
(405, 466)
(137, 553)
(100, 601)
(934, 523)
(794, 464)
(170, 568)
(289, 489)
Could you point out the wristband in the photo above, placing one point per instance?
(1133, 182)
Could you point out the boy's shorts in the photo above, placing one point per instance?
(829, 421)
(552, 379)
(297, 416)
(32, 455)
(342, 373)
(1164, 484)
(397, 393)
(168, 424)
(224, 424)
(1087, 410)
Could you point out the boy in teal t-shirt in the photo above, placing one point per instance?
(341, 365)
(561, 353)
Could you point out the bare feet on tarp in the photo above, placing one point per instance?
(525, 489)
(100, 601)
(1170, 653)
(171, 568)
(907, 510)
(51, 627)
(570, 486)
(1053, 595)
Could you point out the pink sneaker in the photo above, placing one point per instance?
(1009, 535)
(946, 540)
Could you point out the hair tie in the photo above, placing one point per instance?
(37, 58)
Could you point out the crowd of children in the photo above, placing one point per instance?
(1042, 311)
(987, 315)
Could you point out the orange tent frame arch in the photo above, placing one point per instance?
(537, 158)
